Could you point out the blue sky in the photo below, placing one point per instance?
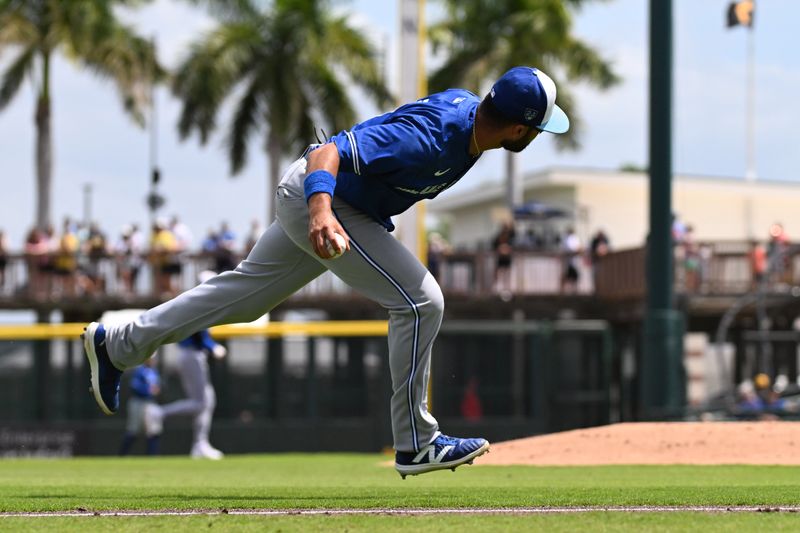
(96, 143)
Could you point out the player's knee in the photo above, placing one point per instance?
(211, 400)
(434, 300)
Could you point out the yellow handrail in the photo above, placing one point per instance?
(331, 328)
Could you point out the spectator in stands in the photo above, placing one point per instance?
(758, 399)
(145, 385)
(163, 258)
(226, 246)
(209, 244)
(599, 247)
(678, 229)
(778, 253)
(65, 263)
(532, 239)
(183, 235)
(96, 250)
(503, 246)
(571, 251)
(438, 247)
(252, 236)
(3, 259)
(36, 251)
(758, 263)
(128, 251)
(691, 260)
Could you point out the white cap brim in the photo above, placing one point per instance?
(557, 123)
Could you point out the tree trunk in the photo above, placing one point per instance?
(44, 149)
(274, 150)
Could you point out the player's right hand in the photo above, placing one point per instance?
(219, 351)
(322, 225)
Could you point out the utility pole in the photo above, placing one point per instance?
(87, 204)
(154, 200)
(661, 375)
(413, 85)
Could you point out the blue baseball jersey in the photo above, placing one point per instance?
(199, 341)
(390, 162)
(143, 380)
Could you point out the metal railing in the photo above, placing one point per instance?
(710, 268)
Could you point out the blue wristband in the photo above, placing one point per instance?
(319, 181)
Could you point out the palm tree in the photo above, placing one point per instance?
(484, 38)
(86, 31)
(284, 65)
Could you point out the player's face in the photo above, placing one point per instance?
(521, 139)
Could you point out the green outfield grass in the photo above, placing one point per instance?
(356, 481)
(567, 523)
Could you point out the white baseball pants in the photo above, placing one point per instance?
(281, 262)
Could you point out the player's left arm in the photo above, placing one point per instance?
(323, 164)
(210, 346)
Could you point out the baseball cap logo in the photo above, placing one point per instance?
(530, 113)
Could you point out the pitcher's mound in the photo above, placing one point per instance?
(694, 443)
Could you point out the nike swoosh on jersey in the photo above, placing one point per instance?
(441, 172)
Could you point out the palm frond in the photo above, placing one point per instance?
(484, 38)
(214, 66)
(330, 97)
(345, 46)
(583, 63)
(245, 122)
(16, 28)
(14, 76)
(129, 61)
(230, 10)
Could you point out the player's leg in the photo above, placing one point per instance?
(202, 448)
(273, 270)
(193, 379)
(199, 403)
(382, 269)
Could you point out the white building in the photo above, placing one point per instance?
(617, 202)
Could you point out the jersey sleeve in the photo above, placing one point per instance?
(206, 342)
(383, 148)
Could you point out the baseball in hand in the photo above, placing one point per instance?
(332, 249)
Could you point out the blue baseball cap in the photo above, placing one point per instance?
(528, 96)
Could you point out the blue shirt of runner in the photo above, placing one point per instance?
(390, 162)
(199, 341)
(143, 381)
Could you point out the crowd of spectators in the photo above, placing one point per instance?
(81, 259)
(78, 259)
(769, 261)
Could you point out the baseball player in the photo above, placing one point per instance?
(200, 396)
(334, 207)
(145, 385)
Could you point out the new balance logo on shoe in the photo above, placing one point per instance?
(430, 450)
(443, 452)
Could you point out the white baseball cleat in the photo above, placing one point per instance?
(204, 450)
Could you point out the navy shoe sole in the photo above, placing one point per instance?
(94, 366)
(414, 470)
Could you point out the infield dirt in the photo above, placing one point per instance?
(696, 443)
